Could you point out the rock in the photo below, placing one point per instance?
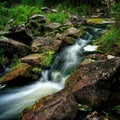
(45, 43)
(39, 59)
(60, 106)
(97, 57)
(35, 24)
(37, 17)
(52, 26)
(12, 47)
(95, 83)
(66, 39)
(19, 75)
(20, 33)
(77, 20)
(73, 32)
(47, 10)
(94, 116)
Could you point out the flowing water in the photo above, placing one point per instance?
(14, 100)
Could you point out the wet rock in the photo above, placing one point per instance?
(95, 83)
(19, 75)
(66, 39)
(73, 32)
(39, 59)
(60, 106)
(48, 10)
(77, 20)
(12, 47)
(52, 26)
(20, 33)
(45, 43)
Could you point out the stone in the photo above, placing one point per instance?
(12, 47)
(39, 18)
(66, 39)
(94, 116)
(96, 83)
(45, 43)
(60, 106)
(20, 33)
(21, 74)
(77, 20)
(72, 32)
(47, 10)
(52, 26)
(43, 59)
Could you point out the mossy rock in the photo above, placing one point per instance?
(19, 75)
(43, 59)
(95, 20)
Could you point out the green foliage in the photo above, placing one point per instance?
(38, 3)
(110, 42)
(47, 57)
(82, 9)
(20, 14)
(57, 17)
(117, 108)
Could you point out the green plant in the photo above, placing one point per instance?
(109, 42)
(57, 17)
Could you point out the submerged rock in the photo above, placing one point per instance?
(19, 75)
(96, 83)
(60, 106)
(12, 47)
(47, 10)
(45, 43)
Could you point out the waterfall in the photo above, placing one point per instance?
(14, 100)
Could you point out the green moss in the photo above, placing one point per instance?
(47, 57)
(96, 20)
(37, 70)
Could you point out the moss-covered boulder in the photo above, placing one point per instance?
(43, 59)
(60, 106)
(19, 75)
(96, 83)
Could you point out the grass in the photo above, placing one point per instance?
(110, 42)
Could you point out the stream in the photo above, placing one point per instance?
(14, 100)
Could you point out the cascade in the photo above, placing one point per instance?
(14, 100)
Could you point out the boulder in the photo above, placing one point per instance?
(20, 33)
(60, 106)
(66, 39)
(96, 83)
(77, 20)
(52, 26)
(12, 47)
(39, 59)
(47, 10)
(72, 32)
(94, 116)
(19, 75)
(45, 43)
(35, 24)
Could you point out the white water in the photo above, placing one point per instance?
(13, 101)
